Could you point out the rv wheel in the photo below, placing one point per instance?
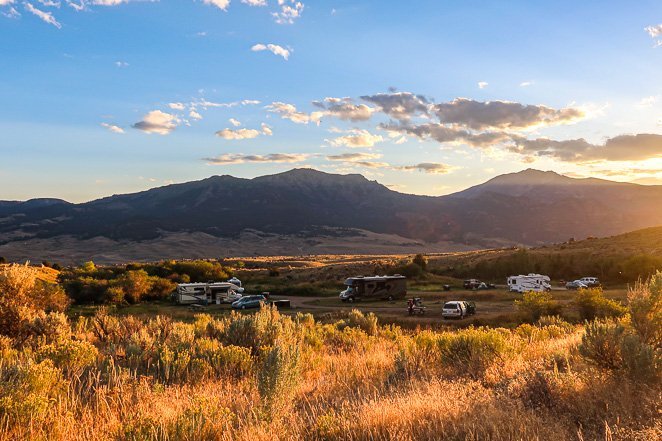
(243, 306)
(390, 298)
(350, 299)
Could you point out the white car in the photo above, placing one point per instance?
(590, 281)
(454, 309)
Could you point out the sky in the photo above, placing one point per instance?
(101, 97)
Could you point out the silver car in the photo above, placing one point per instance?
(454, 309)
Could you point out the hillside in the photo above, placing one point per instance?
(215, 216)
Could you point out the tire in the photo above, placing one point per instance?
(350, 299)
(390, 298)
(243, 306)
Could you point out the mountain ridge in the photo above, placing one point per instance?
(530, 207)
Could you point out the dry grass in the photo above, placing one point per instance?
(110, 377)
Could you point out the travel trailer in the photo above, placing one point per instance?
(207, 293)
(530, 282)
(380, 287)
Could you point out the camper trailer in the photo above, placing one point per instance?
(379, 287)
(530, 282)
(207, 293)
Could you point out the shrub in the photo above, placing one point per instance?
(277, 378)
(593, 304)
(28, 390)
(472, 350)
(72, 356)
(411, 270)
(160, 289)
(645, 307)
(601, 344)
(641, 362)
(356, 319)
(534, 305)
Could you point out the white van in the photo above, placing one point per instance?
(590, 281)
(529, 282)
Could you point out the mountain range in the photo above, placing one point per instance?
(530, 207)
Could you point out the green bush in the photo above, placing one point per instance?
(356, 319)
(472, 350)
(534, 305)
(593, 304)
(601, 344)
(645, 308)
(277, 378)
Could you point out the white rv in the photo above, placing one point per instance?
(530, 282)
(207, 293)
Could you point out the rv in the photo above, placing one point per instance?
(380, 287)
(207, 293)
(530, 282)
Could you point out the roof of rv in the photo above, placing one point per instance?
(377, 278)
(213, 285)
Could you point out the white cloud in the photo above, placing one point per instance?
(288, 12)
(240, 158)
(345, 109)
(11, 12)
(121, 64)
(289, 111)
(266, 130)
(649, 101)
(255, 2)
(157, 122)
(654, 31)
(235, 134)
(47, 17)
(177, 106)
(357, 138)
(77, 6)
(482, 84)
(526, 84)
(221, 4)
(113, 128)
(194, 115)
(50, 3)
(238, 134)
(273, 48)
(234, 122)
(6, 2)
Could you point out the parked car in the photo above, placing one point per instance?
(454, 309)
(575, 284)
(591, 282)
(471, 283)
(471, 307)
(248, 302)
(484, 285)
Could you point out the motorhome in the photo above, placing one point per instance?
(207, 293)
(380, 287)
(529, 282)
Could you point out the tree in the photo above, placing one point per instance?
(421, 261)
(135, 285)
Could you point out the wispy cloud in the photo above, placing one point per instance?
(356, 138)
(121, 64)
(112, 127)
(240, 158)
(236, 134)
(430, 167)
(526, 83)
(46, 17)
(655, 31)
(482, 84)
(255, 2)
(289, 111)
(273, 48)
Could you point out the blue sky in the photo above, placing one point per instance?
(122, 96)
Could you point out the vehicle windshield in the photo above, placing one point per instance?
(450, 306)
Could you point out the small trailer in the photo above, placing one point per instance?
(207, 293)
(529, 282)
(379, 287)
